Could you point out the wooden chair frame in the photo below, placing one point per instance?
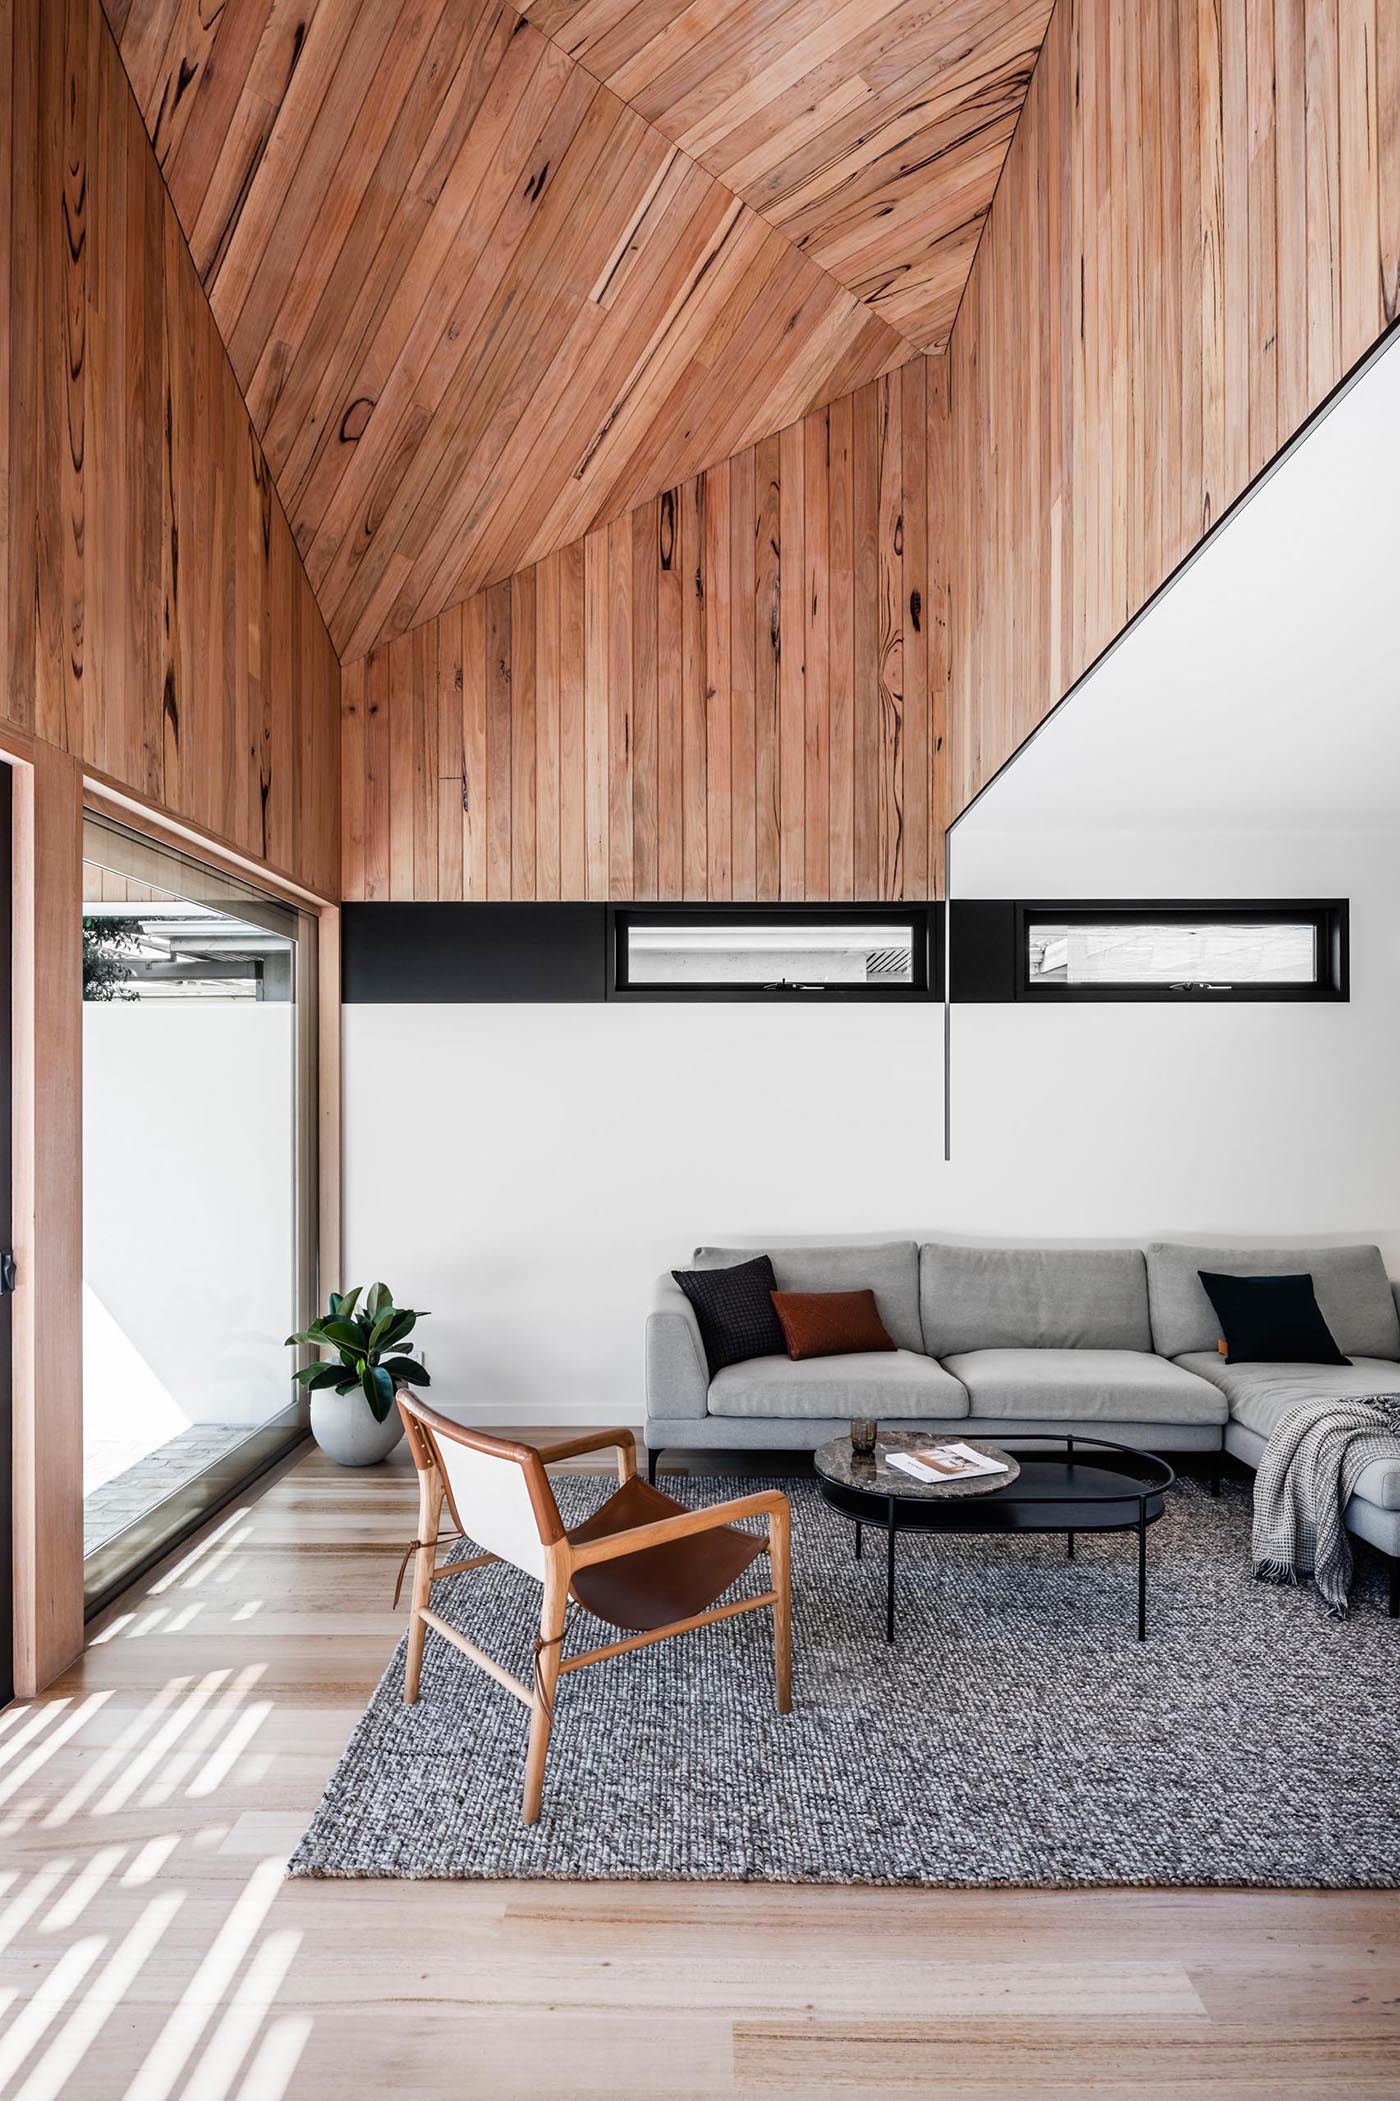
(562, 1558)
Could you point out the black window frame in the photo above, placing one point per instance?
(924, 921)
(1328, 916)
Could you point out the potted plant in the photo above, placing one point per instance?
(370, 1364)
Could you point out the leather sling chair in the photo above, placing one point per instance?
(642, 1562)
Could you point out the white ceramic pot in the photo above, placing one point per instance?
(347, 1432)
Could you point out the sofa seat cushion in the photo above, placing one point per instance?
(1261, 1395)
(1108, 1386)
(883, 1383)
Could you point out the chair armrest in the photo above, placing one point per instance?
(769, 1502)
(595, 1441)
(678, 1376)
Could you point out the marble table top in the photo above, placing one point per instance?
(838, 1463)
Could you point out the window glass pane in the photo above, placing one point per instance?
(1171, 952)
(773, 956)
(194, 1106)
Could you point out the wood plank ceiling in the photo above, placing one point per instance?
(870, 132)
(478, 303)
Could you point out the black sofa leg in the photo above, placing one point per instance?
(652, 1458)
(1394, 1588)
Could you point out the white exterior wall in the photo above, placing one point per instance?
(188, 1229)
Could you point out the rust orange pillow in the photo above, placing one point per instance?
(830, 1323)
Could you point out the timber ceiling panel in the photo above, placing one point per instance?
(870, 132)
(476, 302)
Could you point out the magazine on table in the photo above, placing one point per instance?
(945, 1462)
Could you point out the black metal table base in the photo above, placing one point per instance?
(892, 1530)
(1124, 1506)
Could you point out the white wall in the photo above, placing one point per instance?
(549, 1162)
(1133, 1119)
(187, 1215)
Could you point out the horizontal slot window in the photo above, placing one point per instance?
(774, 954)
(773, 957)
(1172, 952)
(1185, 952)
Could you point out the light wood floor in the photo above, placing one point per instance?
(151, 1948)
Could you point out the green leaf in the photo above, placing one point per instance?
(349, 1300)
(310, 1335)
(315, 1376)
(378, 1391)
(406, 1371)
(399, 1326)
(379, 1333)
(343, 1333)
(379, 1297)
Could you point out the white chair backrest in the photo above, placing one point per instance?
(493, 1502)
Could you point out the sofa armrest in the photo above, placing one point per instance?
(678, 1376)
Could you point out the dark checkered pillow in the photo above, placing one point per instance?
(735, 1311)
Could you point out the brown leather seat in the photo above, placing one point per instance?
(660, 1584)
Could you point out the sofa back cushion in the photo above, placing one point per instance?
(1352, 1290)
(1026, 1298)
(889, 1268)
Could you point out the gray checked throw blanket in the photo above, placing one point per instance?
(1310, 1466)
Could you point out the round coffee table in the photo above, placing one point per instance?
(1061, 1484)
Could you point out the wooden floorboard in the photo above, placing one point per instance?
(149, 1947)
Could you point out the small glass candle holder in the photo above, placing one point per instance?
(863, 1437)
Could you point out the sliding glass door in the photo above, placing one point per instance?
(199, 1013)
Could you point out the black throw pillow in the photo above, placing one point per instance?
(735, 1310)
(1271, 1320)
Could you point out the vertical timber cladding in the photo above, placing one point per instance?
(1195, 236)
(155, 620)
(735, 691)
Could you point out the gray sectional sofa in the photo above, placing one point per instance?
(1118, 1342)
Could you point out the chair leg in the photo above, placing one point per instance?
(653, 1454)
(556, 1604)
(429, 1516)
(780, 1564)
(1394, 1588)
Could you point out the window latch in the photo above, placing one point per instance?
(9, 1275)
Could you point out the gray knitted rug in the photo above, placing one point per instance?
(1017, 1733)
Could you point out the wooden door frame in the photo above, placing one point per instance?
(47, 1041)
(51, 793)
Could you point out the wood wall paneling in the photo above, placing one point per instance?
(476, 302)
(872, 136)
(545, 275)
(155, 620)
(1195, 236)
(724, 695)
